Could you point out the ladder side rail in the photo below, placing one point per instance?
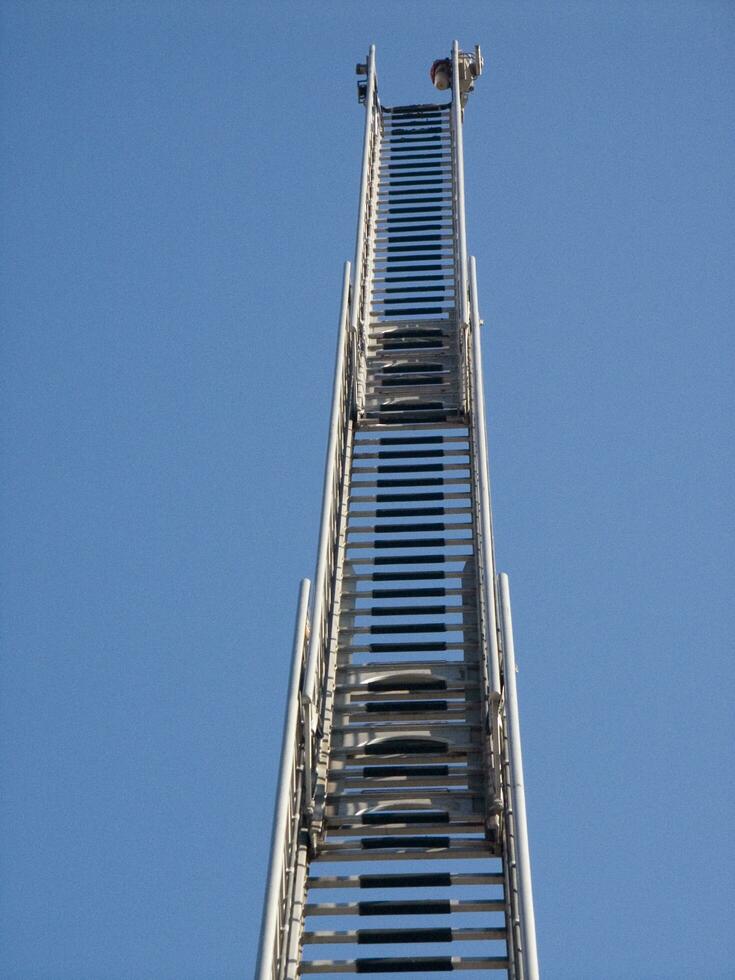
(365, 225)
(485, 550)
(523, 859)
(510, 866)
(286, 810)
(460, 225)
(458, 148)
(324, 582)
(322, 745)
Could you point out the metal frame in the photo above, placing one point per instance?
(287, 811)
(333, 482)
(365, 228)
(458, 161)
(517, 790)
(323, 614)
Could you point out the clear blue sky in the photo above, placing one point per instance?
(178, 189)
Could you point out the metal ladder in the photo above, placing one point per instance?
(399, 840)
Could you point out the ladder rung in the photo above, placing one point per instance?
(438, 646)
(455, 693)
(395, 364)
(395, 544)
(439, 610)
(409, 592)
(458, 434)
(398, 498)
(412, 453)
(371, 773)
(414, 559)
(401, 736)
(406, 849)
(394, 629)
(341, 784)
(404, 680)
(442, 934)
(409, 468)
(357, 717)
(408, 527)
(397, 831)
(411, 964)
(452, 754)
(427, 481)
(431, 879)
(418, 906)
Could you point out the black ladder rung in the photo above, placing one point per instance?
(433, 840)
(439, 278)
(384, 818)
(393, 498)
(409, 453)
(406, 647)
(407, 707)
(396, 543)
(411, 964)
(416, 593)
(442, 934)
(409, 209)
(410, 592)
(432, 182)
(387, 772)
(374, 936)
(417, 576)
(438, 610)
(409, 468)
(412, 441)
(429, 481)
(457, 694)
(407, 161)
(377, 629)
(423, 879)
(401, 648)
(408, 906)
(418, 511)
(441, 381)
(408, 527)
(436, 906)
(444, 269)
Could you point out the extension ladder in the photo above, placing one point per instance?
(399, 842)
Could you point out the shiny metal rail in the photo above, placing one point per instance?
(401, 762)
(274, 937)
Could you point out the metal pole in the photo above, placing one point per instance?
(328, 500)
(296, 916)
(264, 969)
(362, 207)
(483, 472)
(523, 859)
(459, 178)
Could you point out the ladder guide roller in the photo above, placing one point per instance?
(399, 839)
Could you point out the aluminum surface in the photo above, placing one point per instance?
(400, 840)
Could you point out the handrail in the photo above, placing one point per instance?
(486, 525)
(518, 793)
(357, 317)
(285, 811)
(329, 504)
(459, 180)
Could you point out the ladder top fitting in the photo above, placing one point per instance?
(441, 73)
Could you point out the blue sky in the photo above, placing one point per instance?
(179, 189)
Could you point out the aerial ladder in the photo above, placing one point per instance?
(399, 840)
